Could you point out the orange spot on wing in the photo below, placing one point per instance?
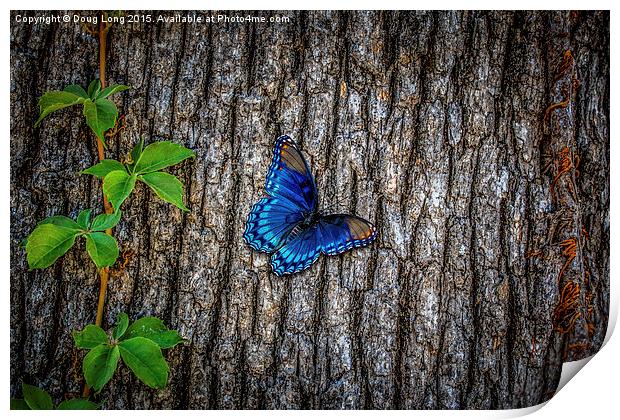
(367, 234)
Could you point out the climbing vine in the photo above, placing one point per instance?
(138, 345)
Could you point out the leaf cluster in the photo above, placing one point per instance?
(138, 345)
(55, 235)
(145, 165)
(99, 111)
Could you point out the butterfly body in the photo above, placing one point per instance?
(288, 223)
(312, 218)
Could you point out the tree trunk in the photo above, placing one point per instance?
(477, 142)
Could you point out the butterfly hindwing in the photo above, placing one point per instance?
(289, 176)
(333, 234)
(341, 232)
(299, 252)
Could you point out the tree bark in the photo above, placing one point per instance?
(433, 125)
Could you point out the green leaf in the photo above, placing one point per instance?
(135, 154)
(94, 88)
(47, 243)
(154, 329)
(100, 116)
(76, 90)
(102, 248)
(122, 321)
(144, 358)
(19, 404)
(63, 221)
(36, 398)
(83, 218)
(90, 337)
(103, 168)
(77, 404)
(160, 155)
(117, 185)
(166, 186)
(111, 90)
(99, 365)
(55, 100)
(106, 221)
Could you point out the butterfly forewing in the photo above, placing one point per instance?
(292, 197)
(269, 223)
(289, 176)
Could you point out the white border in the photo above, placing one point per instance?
(592, 393)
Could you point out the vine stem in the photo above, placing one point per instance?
(104, 273)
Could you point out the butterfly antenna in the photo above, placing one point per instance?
(340, 201)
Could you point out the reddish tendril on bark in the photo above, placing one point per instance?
(566, 163)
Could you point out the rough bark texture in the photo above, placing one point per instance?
(432, 125)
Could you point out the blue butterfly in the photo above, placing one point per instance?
(288, 224)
